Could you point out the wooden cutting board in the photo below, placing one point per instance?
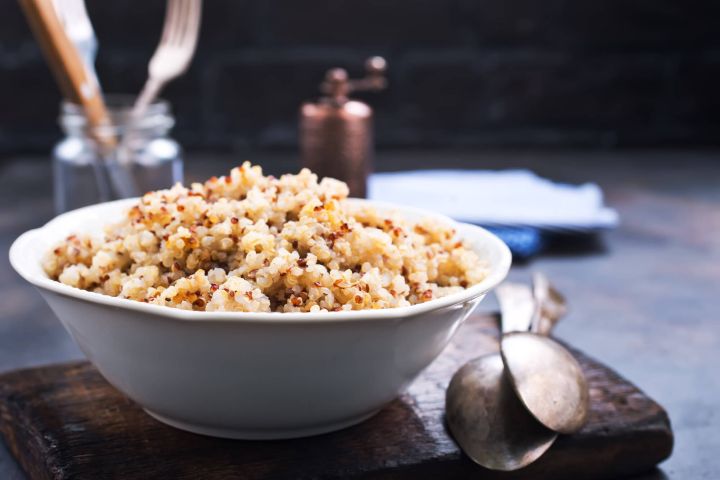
(66, 422)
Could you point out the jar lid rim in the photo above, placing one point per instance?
(157, 115)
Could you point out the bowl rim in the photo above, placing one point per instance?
(499, 270)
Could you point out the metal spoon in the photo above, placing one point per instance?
(546, 377)
(482, 410)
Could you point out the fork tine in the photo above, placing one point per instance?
(171, 13)
(173, 54)
(191, 27)
(181, 23)
(197, 17)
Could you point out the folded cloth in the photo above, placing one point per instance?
(517, 205)
(524, 242)
(500, 198)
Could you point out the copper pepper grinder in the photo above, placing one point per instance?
(336, 133)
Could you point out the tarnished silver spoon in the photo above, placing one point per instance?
(482, 410)
(546, 377)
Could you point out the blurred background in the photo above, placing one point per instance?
(463, 73)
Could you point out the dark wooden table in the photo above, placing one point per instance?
(644, 301)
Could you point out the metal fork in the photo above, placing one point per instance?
(74, 17)
(176, 48)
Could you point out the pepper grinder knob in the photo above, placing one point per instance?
(337, 85)
(375, 68)
(374, 79)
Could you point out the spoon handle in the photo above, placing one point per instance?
(550, 305)
(517, 307)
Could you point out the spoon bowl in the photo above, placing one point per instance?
(487, 419)
(547, 379)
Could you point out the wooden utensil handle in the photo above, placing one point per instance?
(75, 82)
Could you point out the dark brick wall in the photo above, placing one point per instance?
(599, 73)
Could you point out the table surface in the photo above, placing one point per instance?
(642, 300)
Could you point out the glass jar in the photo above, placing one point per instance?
(144, 157)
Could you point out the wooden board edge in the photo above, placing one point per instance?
(20, 435)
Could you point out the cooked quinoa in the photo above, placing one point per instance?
(253, 243)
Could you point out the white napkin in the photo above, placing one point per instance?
(497, 198)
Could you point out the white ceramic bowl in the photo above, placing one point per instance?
(253, 375)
